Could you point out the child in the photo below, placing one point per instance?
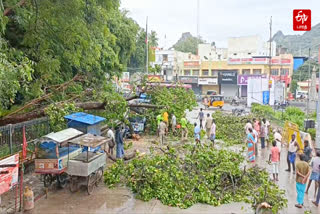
(275, 160)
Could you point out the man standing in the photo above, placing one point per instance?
(303, 172)
(291, 157)
(184, 129)
(112, 142)
(275, 159)
(316, 176)
(208, 125)
(119, 141)
(166, 118)
(162, 132)
(213, 132)
(173, 123)
(159, 118)
(256, 137)
(307, 151)
(201, 117)
(263, 134)
(278, 139)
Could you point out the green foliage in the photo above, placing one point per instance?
(174, 100)
(292, 114)
(261, 110)
(115, 104)
(230, 128)
(196, 175)
(302, 74)
(52, 41)
(56, 115)
(312, 133)
(187, 43)
(294, 86)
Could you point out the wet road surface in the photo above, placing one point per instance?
(121, 200)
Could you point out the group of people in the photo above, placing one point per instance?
(163, 125)
(116, 140)
(301, 167)
(256, 131)
(209, 127)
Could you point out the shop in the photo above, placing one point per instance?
(228, 83)
(243, 83)
(193, 81)
(208, 84)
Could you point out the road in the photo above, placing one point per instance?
(121, 200)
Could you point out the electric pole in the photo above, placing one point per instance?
(270, 57)
(309, 79)
(147, 48)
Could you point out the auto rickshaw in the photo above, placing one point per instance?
(216, 101)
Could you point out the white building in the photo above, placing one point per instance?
(212, 53)
(171, 62)
(249, 46)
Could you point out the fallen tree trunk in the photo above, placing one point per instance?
(18, 118)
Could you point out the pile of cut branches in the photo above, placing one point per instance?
(230, 128)
(196, 174)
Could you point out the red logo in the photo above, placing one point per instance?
(301, 20)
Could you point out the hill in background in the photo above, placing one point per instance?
(298, 45)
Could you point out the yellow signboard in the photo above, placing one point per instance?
(289, 130)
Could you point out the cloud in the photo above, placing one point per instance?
(219, 19)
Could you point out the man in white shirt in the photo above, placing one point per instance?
(293, 148)
(112, 142)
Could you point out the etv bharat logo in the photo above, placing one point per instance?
(301, 20)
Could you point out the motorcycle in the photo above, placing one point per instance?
(281, 105)
(235, 102)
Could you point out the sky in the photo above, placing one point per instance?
(218, 19)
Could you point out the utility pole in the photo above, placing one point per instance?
(147, 48)
(308, 85)
(317, 144)
(270, 57)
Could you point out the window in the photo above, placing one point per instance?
(214, 73)
(205, 73)
(256, 71)
(245, 71)
(284, 71)
(165, 57)
(187, 72)
(275, 72)
(195, 73)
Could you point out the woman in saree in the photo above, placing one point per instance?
(251, 146)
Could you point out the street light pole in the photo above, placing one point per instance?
(308, 85)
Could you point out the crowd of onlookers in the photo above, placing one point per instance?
(300, 161)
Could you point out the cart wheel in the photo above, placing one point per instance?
(47, 180)
(99, 175)
(62, 180)
(73, 184)
(90, 185)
